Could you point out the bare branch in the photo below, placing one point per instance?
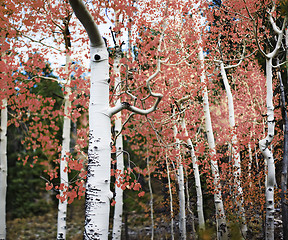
(46, 78)
(278, 65)
(274, 26)
(238, 59)
(122, 127)
(242, 57)
(257, 40)
(34, 40)
(279, 40)
(125, 105)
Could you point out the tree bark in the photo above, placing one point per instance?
(64, 181)
(268, 156)
(284, 203)
(3, 168)
(222, 231)
(98, 194)
(236, 160)
(201, 218)
(118, 210)
(181, 191)
(171, 198)
(151, 200)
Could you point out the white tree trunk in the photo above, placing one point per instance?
(151, 200)
(250, 164)
(201, 218)
(181, 185)
(118, 210)
(171, 198)
(62, 206)
(267, 153)
(3, 169)
(236, 160)
(222, 232)
(98, 192)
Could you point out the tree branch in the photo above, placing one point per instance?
(279, 40)
(88, 22)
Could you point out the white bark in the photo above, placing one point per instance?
(62, 206)
(192, 217)
(151, 200)
(118, 210)
(236, 160)
(201, 218)
(3, 168)
(250, 164)
(181, 185)
(171, 198)
(264, 143)
(267, 153)
(98, 193)
(222, 232)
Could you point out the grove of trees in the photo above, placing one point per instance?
(175, 117)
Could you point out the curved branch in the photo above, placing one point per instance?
(126, 105)
(241, 59)
(279, 65)
(88, 22)
(279, 41)
(238, 59)
(255, 25)
(274, 26)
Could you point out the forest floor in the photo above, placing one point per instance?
(44, 227)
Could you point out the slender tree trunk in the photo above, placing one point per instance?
(182, 205)
(62, 205)
(118, 210)
(222, 232)
(201, 218)
(3, 168)
(171, 199)
(267, 153)
(192, 217)
(285, 151)
(181, 185)
(151, 200)
(250, 164)
(284, 202)
(236, 160)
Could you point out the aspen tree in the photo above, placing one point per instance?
(98, 194)
(3, 168)
(64, 180)
(118, 210)
(222, 231)
(236, 160)
(181, 186)
(265, 142)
